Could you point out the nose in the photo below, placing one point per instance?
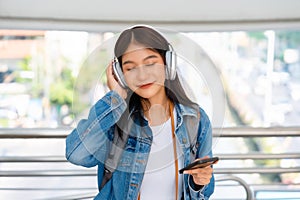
(142, 73)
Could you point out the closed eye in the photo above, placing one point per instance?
(127, 69)
(150, 64)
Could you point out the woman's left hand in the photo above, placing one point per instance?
(201, 176)
(112, 82)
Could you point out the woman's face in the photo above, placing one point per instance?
(144, 71)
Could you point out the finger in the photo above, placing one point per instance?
(207, 169)
(195, 171)
(109, 69)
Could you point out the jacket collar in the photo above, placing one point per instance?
(186, 110)
(180, 109)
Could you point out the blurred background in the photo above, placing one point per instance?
(253, 45)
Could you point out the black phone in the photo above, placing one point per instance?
(200, 163)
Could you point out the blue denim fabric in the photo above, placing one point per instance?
(89, 144)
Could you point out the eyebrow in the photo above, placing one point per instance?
(145, 59)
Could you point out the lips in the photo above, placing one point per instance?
(145, 86)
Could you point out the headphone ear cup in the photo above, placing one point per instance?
(171, 62)
(118, 73)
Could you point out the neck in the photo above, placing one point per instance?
(157, 112)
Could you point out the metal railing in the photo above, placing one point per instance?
(221, 133)
(6, 133)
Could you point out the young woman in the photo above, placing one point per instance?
(144, 125)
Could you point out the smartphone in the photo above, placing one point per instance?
(200, 163)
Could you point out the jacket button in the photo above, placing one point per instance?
(114, 100)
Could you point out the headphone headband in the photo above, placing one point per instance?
(170, 59)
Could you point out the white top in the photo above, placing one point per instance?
(159, 178)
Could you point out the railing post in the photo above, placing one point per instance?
(249, 194)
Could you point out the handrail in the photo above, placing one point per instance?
(258, 156)
(73, 197)
(253, 170)
(61, 133)
(92, 172)
(252, 156)
(39, 159)
(257, 132)
(58, 188)
(47, 173)
(249, 193)
(36, 133)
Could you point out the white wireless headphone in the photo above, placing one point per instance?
(171, 62)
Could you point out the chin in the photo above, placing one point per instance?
(145, 94)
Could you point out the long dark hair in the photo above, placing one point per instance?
(152, 39)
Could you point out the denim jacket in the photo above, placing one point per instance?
(89, 143)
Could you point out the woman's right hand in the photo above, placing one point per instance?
(113, 84)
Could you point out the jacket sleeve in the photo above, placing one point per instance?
(204, 149)
(88, 143)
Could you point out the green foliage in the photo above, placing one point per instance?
(290, 38)
(34, 84)
(257, 35)
(25, 64)
(61, 90)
